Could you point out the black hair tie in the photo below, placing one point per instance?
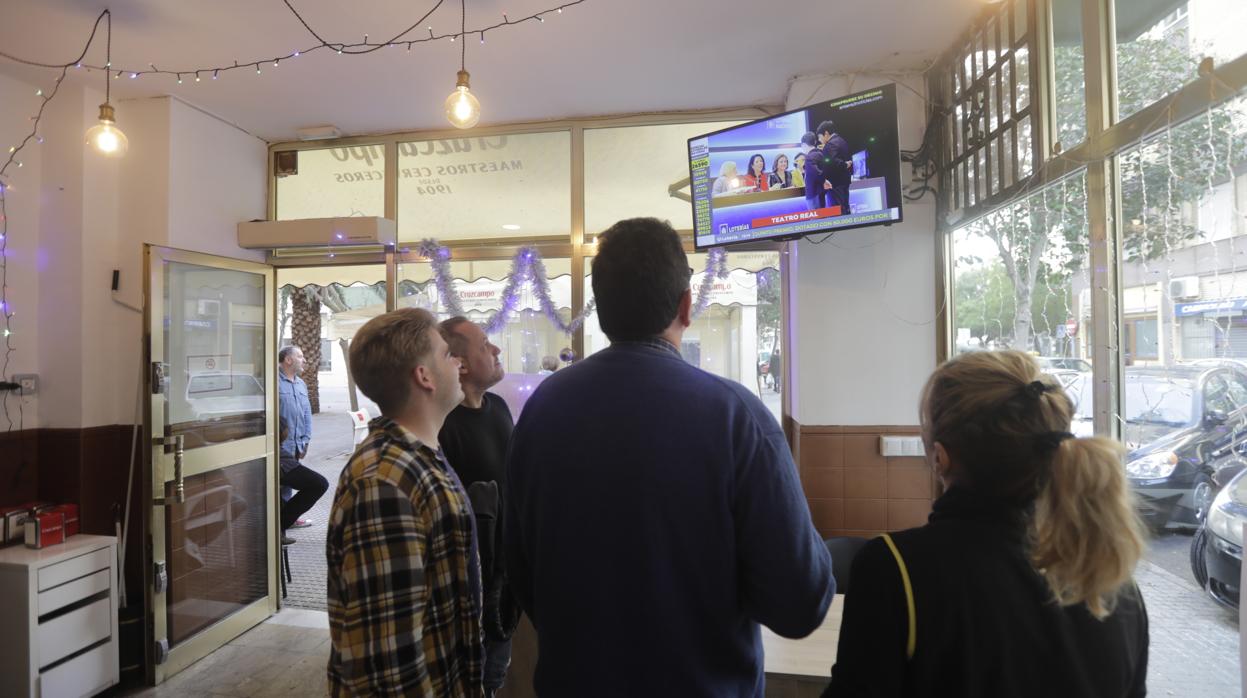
(1034, 389)
(1051, 441)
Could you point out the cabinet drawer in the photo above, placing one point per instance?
(69, 592)
(83, 675)
(69, 633)
(70, 570)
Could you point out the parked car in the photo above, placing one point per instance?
(1183, 425)
(1050, 364)
(1217, 548)
(218, 394)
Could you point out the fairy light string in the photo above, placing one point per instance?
(340, 47)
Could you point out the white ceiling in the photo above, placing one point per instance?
(599, 57)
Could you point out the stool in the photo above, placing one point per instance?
(285, 568)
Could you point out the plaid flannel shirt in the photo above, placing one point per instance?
(402, 614)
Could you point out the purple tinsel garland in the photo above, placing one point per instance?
(528, 267)
(439, 257)
(716, 268)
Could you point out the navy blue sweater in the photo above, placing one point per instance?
(655, 519)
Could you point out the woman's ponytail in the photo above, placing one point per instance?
(1086, 536)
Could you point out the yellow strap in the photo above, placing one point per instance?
(912, 643)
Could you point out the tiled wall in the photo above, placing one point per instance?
(853, 490)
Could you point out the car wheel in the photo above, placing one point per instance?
(1202, 495)
(1199, 566)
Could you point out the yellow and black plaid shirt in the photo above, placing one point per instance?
(403, 616)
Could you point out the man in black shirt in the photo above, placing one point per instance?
(474, 439)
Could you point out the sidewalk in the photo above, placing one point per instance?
(330, 448)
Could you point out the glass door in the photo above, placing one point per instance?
(210, 425)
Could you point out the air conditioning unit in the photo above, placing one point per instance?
(209, 307)
(317, 232)
(1184, 288)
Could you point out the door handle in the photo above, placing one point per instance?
(179, 488)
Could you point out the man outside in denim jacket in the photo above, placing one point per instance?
(295, 409)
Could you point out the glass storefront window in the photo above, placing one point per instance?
(333, 182)
(738, 335)
(529, 342)
(485, 187)
(319, 310)
(1159, 46)
(1184, 342)
(1070, 96)
(628, 171)
(1020, 278)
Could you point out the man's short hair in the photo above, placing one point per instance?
(285, 352)
(384, 352)
(809, 138)
(827, 126)
(639, 274)
(549, 363)
(458, 343)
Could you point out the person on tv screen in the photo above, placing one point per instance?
(780, 177)
(798, 171)
(837, 165)
(728, 181)
(814, 178)
(756, 179)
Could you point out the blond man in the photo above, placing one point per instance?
(404, 577)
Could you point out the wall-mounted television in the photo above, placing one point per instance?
(829, 166)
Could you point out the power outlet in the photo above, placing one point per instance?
(29, 383)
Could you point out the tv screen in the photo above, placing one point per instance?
(829, 166)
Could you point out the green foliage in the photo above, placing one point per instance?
(1043, 240)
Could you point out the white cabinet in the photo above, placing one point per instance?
(59, 606)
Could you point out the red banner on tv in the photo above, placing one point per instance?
(829, 212)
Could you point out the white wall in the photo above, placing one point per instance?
(217, 177)
(864, 308)
(23, 255)
(74, 217)
(61, 236)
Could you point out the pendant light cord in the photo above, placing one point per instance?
(463, 38)
(108, 59)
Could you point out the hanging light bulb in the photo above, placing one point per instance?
(105, 137)
(462, 108)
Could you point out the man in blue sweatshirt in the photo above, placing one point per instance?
(655, 517)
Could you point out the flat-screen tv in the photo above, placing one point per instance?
(829, 166)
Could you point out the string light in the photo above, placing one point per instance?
(114, 142)
(360, 48)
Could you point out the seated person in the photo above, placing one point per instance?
(798, 171)
(728, 181)
(756, 178)
(1020, 583)
(308, 484)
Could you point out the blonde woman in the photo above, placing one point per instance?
(1020, 583)
(728, 181)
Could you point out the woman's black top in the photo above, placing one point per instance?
(986, 622)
